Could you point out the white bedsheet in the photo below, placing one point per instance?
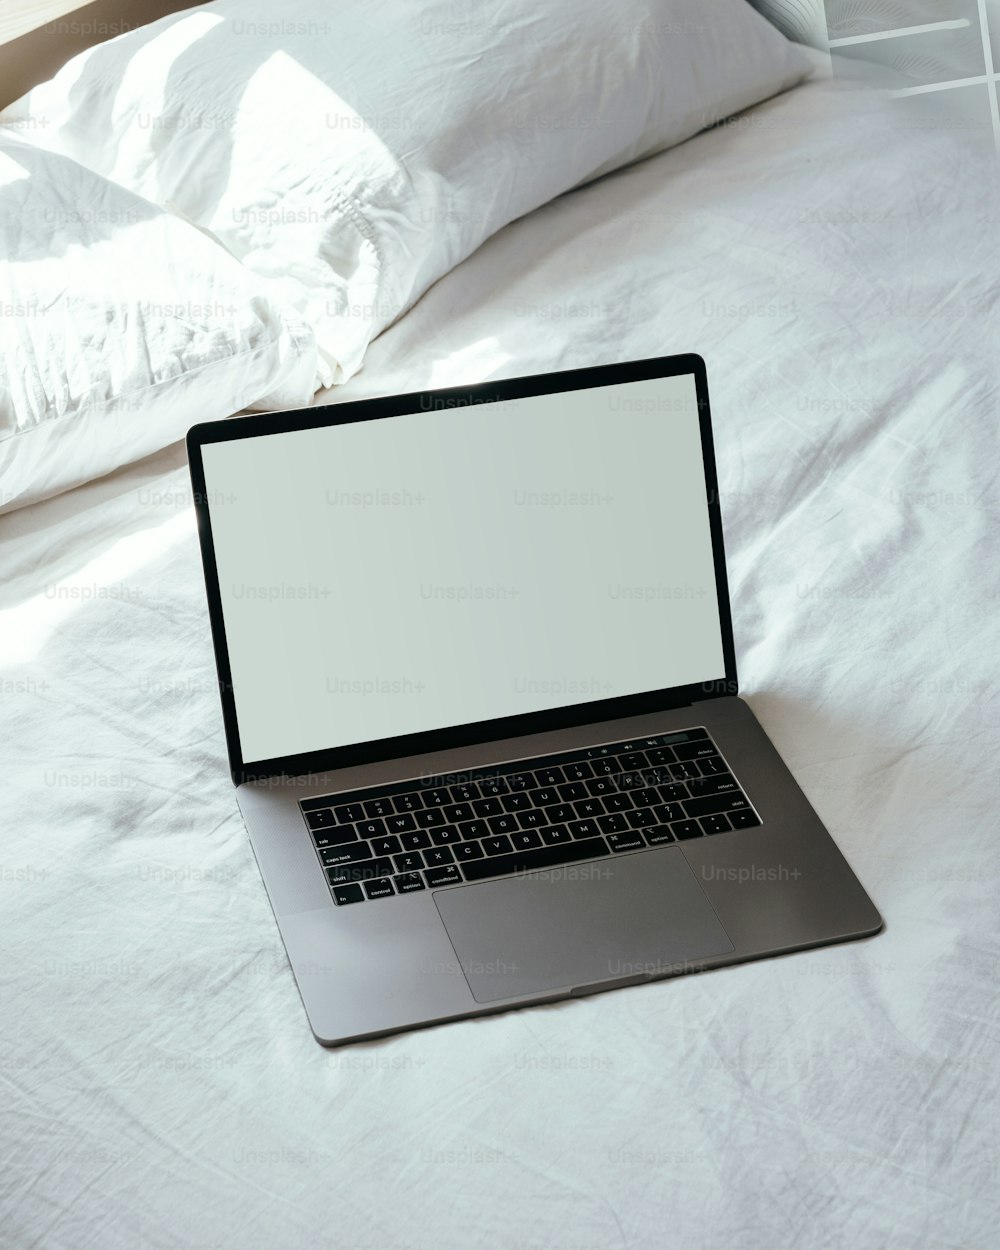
(838, 270)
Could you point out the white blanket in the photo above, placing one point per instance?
(838, 270)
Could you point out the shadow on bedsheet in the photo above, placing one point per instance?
(76, 527)
(47, 226)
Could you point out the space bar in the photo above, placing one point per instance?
(528, 861)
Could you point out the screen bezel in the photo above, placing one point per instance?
(325, 760)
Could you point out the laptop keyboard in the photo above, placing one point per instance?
(515, 818)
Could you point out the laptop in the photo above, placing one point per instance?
(479, 692)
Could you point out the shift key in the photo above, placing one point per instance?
(713, 803)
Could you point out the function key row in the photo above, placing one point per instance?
(667, 748)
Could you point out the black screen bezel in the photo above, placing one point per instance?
(325, 760)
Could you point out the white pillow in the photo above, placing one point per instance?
(120, 327)
(353, 153)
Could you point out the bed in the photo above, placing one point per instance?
(836, 267)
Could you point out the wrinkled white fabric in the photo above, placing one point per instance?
(120, 326)
(351, 154)
(838, 271)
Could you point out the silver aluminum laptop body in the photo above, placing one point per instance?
(542, 510)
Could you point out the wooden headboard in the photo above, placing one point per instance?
(50, 41)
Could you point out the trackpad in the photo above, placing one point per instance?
(565, 928)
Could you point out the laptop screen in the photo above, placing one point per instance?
(461, 564)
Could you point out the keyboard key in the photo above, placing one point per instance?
(656, 835)
(694, 750)
(615, 823)
(571, 791)
(474, 829)
(606, 767)
(344, 894)
(380, 888)
(417, 841)
(521, 781)
(602, 786)
(631, 780)
(359, 872)
(503, 824)
(468, 850)
(626, 841)
(438, 855)
(531, 861)
(349, 813)
(517, 802)
(672, 793)
(550, 776)
(456, 812)
(559, 813)
(449, 875)
(370, 828)
(336, 836)
(713, 764)
(682, 829)
(378, 807)
(744, 820)
(438, 797)
(409, 861)
(430, 818)
(349, 854)
(661, 755)
(493, 787)
(496, 846)
(618, 803)
(666, 813)
(408, 882)
(583, 828)
(589, 807)
(724, 784)
(534, 818)
(525, 841)
(555, 835)
(684, 770)
(400, 824)
(716, 824)
(322, 818)
(714, 803)
(446, 836)
(487, 807)
(578, 771)
(645, 798)
(656, 776)
(411, 802)
(465, 792)
(544, 797)
(633, 760)
(385, 846)
(641, 817)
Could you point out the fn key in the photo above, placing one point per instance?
(346, 894)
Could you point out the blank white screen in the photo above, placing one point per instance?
(445, 567)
